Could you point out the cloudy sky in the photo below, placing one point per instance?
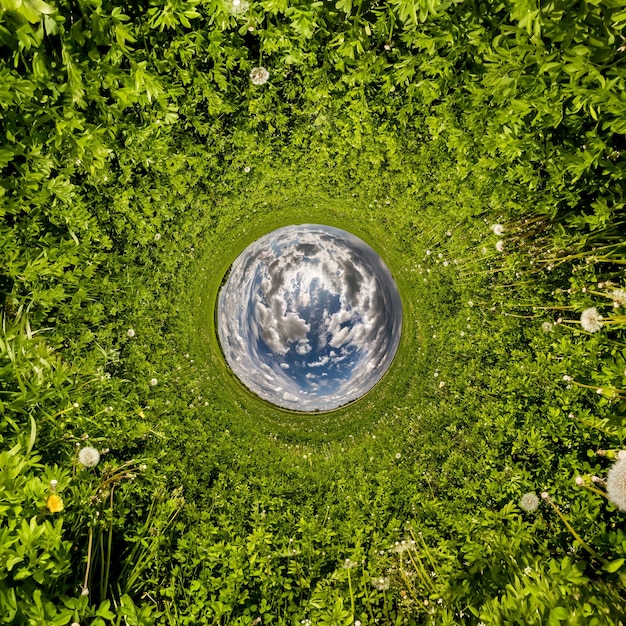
(309, 317)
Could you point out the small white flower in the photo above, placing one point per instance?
(76, 405)
(529, 502)
(547, 327)
(398, 455)
(590, 320)
(157, 237)
(470, 303)
(130, 332)
(154, 382)
(442, 384)
(428, 252)
(53, 484)
(567, 379)
(579, 480)
(498, 229)
(499, 245)
(259, 76)
(246, 169)
(89, 457)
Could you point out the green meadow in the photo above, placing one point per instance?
(478, 147)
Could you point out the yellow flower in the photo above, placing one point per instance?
(54, 503)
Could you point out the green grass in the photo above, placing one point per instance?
(212, 506)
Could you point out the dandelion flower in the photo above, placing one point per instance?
(89, 457)
(498, 229)
(398, 455)
(54, 503)
(499, 245)
(619, 297)
(382, 583)
(547, 327)
(157, 237)
(529, 502)
(590, 320)
(259, 76)
(154, 382)
(238, 7)
(130, 332)
(616, 484)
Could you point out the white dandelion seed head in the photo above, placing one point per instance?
(382, 583)
(154, 382)
(259, 76)
(547, 327)
(246, 169)
(398, 455)
(567, 379)
(545, 495)
(590, 320)
(76, 405)
(442, 384)
(349, 564)
(621, 454)
(579, 480)
(529, 502)
(157, 236)
(616, 484)
(130, 332)
(88, 457)
(498, 229)
(428, 252)
(238, 7)
(499, 245)
(619, 297)
(53, 484)
(470, 303)
(84, 591)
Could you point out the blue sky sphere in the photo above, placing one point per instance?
(309, 317)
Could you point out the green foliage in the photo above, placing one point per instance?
(138, 160)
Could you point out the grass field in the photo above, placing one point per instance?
(478, 148)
